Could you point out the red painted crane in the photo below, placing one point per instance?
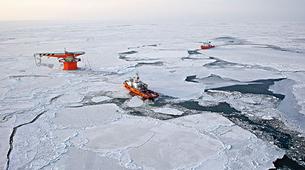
(68, 58)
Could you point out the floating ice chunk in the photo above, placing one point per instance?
(135, 102)
(87, 116)
(100, 99)
(75, 105)
(267, 117)
(83, 160)
(70, 98)
(119, 135)
(168, 111)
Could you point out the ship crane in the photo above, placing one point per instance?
(69, 59)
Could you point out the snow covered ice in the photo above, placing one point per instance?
(240, 105)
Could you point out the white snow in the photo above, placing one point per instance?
(76, 130)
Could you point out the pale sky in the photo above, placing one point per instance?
(150, 9)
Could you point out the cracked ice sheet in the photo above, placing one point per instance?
(158, 55)
(87, 116)
(261, 106)
(172, 82)
(240, 148)
(186, 142)
(260, 56)
(197, 68)
(85, 160)
(4, 145)
(298, 89)
(6, 129)
(44, 142)
(167, 83)
(180, 69)
(118, 38)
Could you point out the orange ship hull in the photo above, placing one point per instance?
(145, 95)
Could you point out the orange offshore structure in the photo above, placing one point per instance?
(69, 59)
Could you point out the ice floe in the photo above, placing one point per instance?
(52, 119)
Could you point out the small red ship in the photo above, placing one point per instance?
(206, 46)
(137, 87)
